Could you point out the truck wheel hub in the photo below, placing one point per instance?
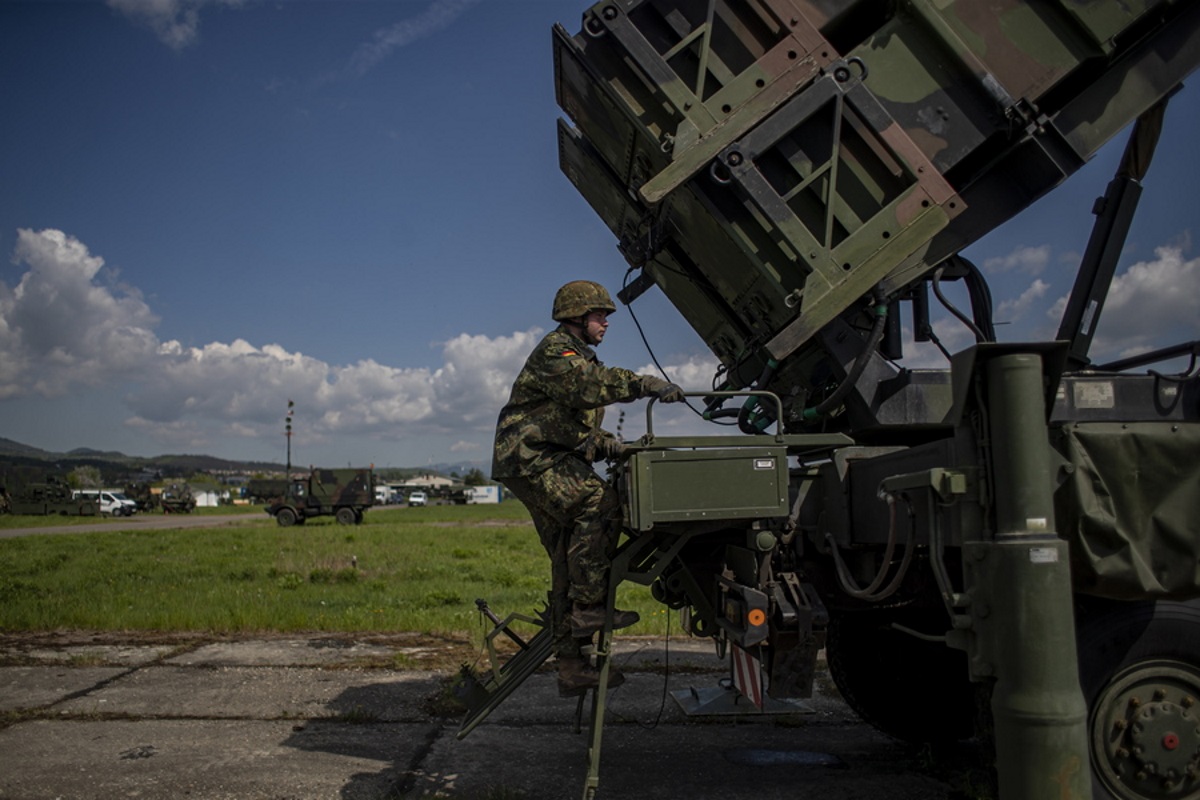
(1146, 732)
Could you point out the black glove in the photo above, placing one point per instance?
(664, 391)
(611, 448)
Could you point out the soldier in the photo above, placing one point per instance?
(547, 438)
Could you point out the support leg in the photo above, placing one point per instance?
(600, 696)
(1022, 607)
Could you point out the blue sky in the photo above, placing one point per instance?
(210, 207)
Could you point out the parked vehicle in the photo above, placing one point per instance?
(177, 499)
(418, 498)
(343, 493)
(128, 504)
(482, 494)
(143, 495)
(112, 502)
(53, 496)
(265, 490)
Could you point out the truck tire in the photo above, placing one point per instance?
(345, 516)
(1139, 666)
(285, 517)
(911, 689)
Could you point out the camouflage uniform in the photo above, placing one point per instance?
(547, 437)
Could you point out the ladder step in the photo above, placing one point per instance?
(483, 692)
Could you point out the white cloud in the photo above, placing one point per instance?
(175, 22)
(67, 322)
(1055, 312)
(1016, 309)
(478, 372)
(68, 327)
(244, 385)
(1151, 304)
(693, 374)
(180, 436)
(1030, 260)
(439, 15)
(64, 327)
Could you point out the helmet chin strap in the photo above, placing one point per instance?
(578, 327)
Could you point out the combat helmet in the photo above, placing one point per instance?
(577, 298)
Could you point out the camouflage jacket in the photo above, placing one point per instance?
(557, 405)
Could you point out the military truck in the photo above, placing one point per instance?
(52, 496)
(343, 493)
(141, 493)
(263, 490)
(1018, 532)
(177, 498)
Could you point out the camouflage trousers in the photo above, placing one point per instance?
(577, 516)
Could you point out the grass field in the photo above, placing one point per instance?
(403, 569)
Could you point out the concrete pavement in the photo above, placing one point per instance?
(339, 717)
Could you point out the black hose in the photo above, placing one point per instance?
(963, 318)
(856, 371)
(981, 300)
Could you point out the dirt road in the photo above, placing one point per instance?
(140, 522)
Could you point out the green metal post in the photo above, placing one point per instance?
(591, 784)
(1021, 603)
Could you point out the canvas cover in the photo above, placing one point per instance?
(1130, 508)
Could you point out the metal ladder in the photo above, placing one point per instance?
(482, 692)
(641, 559)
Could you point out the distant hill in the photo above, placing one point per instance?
(10, 448)
(87, 452)
(461, 467)
(117, 467)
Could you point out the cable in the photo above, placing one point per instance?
(482, 644)
(856, 371)
(646, 343)
(933, 337)
(749, 345)
(662, 704)
(937, 290)
(637, 324)
(981, 299)
(870, 594)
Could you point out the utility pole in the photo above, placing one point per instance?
(288, 434)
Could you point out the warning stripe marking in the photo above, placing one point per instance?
(747, 675)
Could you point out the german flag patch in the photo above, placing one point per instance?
(568, 353)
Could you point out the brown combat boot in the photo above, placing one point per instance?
(577, 675)
(586, 620)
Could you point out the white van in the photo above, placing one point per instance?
(112, 502)
(417, 499)
(130, 505)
